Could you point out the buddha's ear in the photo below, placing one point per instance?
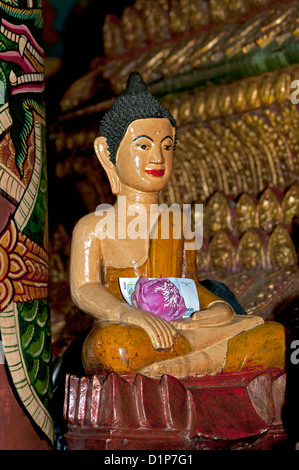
(103, 154)
(173, 132)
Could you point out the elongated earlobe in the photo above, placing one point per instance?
(102, 152)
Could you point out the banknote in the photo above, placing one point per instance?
(186, 287)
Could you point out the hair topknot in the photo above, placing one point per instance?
(135, 103)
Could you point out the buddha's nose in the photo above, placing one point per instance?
(156, 155)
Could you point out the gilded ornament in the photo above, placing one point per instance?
(238, 96)
(224, 101)
(112, 38)
(173, 107)
(222, 252)
(259, 3)
(177, 18)
(218, 10)
(198, 14)
(281, 250)
(132, 28)
(237, 7)
(266, 90)
(198, 106)
(155, 21)
(282, 86)
(245, 213)
(269, 211)
(211, 102)
(252, 94)
(219, 214)
(251, 251)
(290, 204)
(185, 110)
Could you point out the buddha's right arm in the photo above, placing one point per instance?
(93, 298)
(87, 290)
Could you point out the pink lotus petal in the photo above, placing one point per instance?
(160, 297)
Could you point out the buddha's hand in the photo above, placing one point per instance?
(160, 331)
(217, 313)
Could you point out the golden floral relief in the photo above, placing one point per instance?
(245, 213)
(221, 252)
(251, 251)
(281, 250)
(268, 211)
(290, 204)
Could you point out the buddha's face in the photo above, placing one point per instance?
(144, 157)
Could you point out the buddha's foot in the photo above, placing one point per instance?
(220, 313)
(260, 347)
(197, 363)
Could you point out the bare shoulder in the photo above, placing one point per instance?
(86, 224)
(96, 224)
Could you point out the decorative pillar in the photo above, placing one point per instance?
(25, 384)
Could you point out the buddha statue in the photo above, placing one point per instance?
(138, 137)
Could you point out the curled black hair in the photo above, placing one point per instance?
(135, 103)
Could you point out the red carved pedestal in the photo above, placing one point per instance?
(240, 410)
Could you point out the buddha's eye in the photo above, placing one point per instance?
(143, 146)
(167, 147)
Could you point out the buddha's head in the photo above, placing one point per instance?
(137, 141)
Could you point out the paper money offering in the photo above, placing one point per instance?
(186, 287)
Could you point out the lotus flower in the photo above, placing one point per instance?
(159, 296)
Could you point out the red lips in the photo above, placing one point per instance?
(153, 172)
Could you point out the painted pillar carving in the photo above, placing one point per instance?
(24, 306)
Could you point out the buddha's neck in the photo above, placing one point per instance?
(143, 200)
